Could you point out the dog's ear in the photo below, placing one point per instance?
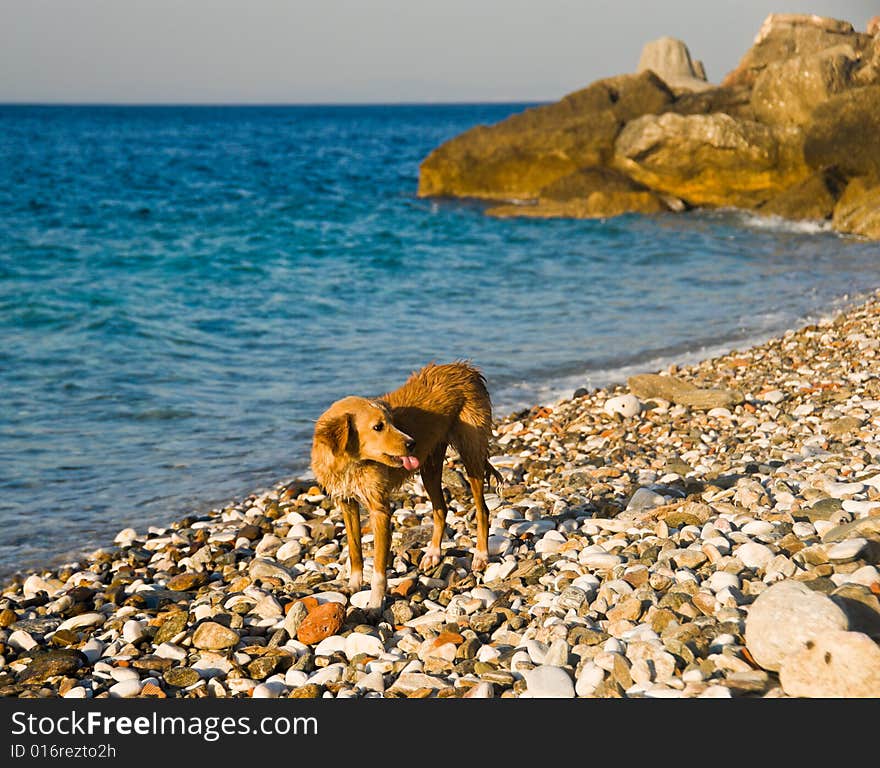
(334, 432)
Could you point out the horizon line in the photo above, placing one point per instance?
(216, 104)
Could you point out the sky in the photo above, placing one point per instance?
(359, 51)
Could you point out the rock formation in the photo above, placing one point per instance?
(792, 131)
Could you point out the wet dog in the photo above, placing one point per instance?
(363, 449)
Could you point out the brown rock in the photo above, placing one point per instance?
(844, 132)
(518, 157)
(813, 198)
(785, 35)
(648, 385)
(184, 582)
(181, 677)
(711, 159)
(586, 194)
(211, 636)
(735, 101)
(404, 588)
(788, 91)
(308, 691)
(172, 626)
(858, 210)
(7, 618)
(321, 622)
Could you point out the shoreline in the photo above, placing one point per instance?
(628, 550)
(545, 393)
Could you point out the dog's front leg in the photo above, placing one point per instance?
(380, 521)
(352, 517)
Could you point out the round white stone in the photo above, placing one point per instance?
(626, 405)
(361, 643)
(547, 682)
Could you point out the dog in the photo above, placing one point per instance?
(364, 449)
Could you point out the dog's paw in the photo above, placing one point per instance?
(431, 558)
(480, 561)
(356, 581)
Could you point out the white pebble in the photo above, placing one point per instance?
(21, 640)
(121, 674)
(133, 631)
(361, 643)
(546, 682)
(626, 405)
(126, 689)
(77, 692)
(93, 650)
(846, 550)
(91, 619)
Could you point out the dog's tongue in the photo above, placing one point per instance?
(410, 462)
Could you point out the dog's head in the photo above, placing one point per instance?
(362, 430)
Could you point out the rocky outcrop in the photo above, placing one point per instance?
(518, 157)
(792, 127)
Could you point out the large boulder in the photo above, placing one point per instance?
(711, 160)
(518, 157)
(844, 132)
(589, 193)
(813, 198)
(785, 618)
(671, 60)
(788, 91)
(786, 35)
(858, 210)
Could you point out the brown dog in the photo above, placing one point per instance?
(364, 449)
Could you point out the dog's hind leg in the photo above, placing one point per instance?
(352, 516)
(432, 478)
(473, 447)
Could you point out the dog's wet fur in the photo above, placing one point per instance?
(364, 448)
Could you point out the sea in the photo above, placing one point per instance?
(183, 290)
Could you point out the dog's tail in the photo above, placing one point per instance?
(493, 475)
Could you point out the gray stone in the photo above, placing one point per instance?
(671, 60)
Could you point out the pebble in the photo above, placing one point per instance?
(127, 689)
(546, 682)
(626, 405)
(212, 636)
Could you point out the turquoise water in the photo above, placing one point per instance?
(184, 290)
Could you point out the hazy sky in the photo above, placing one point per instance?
(293, 51)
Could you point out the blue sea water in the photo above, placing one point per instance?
(184, 290)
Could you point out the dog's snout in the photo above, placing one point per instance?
(410, 443)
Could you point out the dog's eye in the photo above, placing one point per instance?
(379, 427)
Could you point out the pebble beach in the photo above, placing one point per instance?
(705, 531)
